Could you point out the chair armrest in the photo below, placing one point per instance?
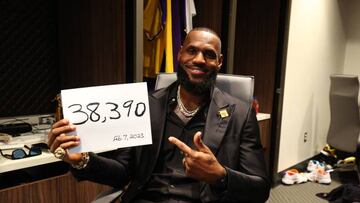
(108, 196)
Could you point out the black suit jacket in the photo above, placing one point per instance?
(234, 140)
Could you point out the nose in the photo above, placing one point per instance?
(199, 58)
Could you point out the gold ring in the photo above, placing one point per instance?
(59, 153)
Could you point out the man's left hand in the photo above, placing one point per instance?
(200, 164)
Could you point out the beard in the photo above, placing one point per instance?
(202, 88)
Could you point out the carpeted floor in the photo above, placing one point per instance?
(306, 192)
(300, 193)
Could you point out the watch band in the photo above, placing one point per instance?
(83, 163)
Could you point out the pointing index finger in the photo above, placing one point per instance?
(182, 146)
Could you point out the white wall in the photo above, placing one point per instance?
(316, 49)
(352, 62)
(350, 11)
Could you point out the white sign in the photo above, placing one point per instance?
(108, 117)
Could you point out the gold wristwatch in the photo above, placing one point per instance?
(83, 163)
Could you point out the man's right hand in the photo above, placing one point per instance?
(57, 138)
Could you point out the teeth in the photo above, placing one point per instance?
(196, 71)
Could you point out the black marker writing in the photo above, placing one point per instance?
(91, 111)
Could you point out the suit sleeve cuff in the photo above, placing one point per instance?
(220, 186)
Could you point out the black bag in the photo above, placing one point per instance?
(347, 193)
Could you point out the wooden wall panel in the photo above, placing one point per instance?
(214, 14)
(256, 46)
(28, 57)
(91, 42)
(209, 14)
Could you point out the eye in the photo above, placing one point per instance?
(210, 54)
(192, 50)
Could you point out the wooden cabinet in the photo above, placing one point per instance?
(59, 189)
(264, 126)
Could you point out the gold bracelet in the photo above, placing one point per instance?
(83, 163)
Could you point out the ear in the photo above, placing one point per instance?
(220, 60)
(179, 53)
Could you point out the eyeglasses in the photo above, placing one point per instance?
(20, 153)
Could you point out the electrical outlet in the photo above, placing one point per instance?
(305, 137)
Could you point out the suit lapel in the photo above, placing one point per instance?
(158, 123)
(150, 153)
(218, 117)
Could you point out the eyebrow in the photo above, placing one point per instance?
(206, 49)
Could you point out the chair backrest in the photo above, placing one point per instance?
(239, 86)
(344, 127)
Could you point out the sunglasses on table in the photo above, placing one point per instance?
(21, 153)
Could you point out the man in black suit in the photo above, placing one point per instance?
(206, 145)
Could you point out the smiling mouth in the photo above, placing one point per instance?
(194, 70)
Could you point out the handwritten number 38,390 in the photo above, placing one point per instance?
(94, 116)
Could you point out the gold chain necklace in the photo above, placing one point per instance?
(182, 108)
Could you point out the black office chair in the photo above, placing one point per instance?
(344, 130)
(238, 86)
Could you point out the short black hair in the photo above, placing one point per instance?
(206, 29)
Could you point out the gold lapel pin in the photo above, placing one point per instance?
(223, 113)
